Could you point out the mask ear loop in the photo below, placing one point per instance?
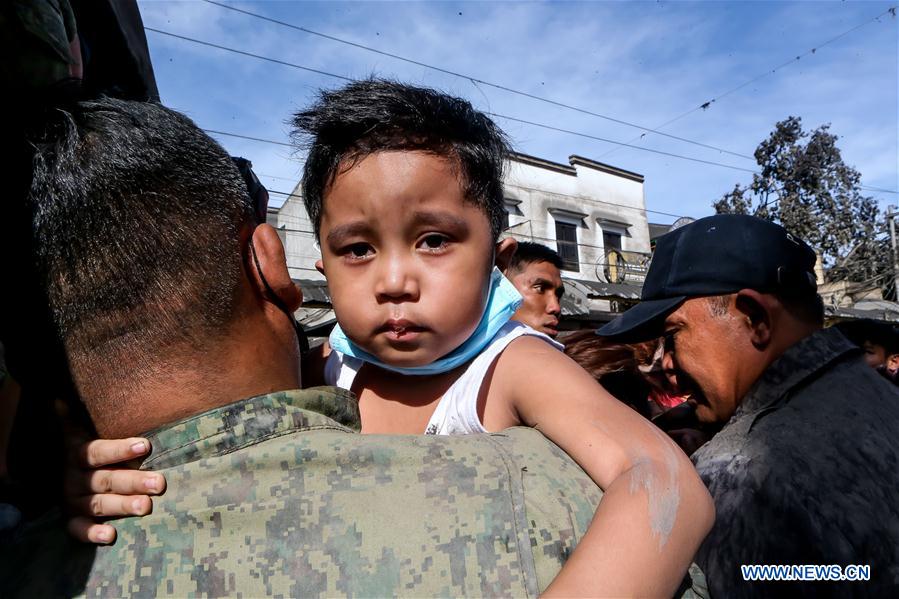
(302, 339)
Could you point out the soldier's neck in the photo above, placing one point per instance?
(191, 384)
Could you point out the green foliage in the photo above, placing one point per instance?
(804, 185)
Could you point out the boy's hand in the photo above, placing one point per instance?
(94, 492)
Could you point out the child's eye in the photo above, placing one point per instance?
(434, 241)
(358, 251)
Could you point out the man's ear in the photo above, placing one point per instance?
(757, 309)
(273, 266)
(505, 249)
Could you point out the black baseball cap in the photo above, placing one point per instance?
(716, 255)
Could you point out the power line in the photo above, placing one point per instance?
(706, 105)
(470, 78)
(281, 143)
(267, 141)
(550, 127)
(881, 190)
(260, 57)
(277, 177)
(511, 118)
(620, 143)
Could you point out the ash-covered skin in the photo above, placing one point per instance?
(663, 503)
(663, 495)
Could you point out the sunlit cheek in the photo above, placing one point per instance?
(349, 299)
(468, 308)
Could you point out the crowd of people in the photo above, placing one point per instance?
(449, 438)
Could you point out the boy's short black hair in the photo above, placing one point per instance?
(373, 115)
(529, 252)
(137, 216)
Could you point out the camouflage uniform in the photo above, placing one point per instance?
(807, 472)
(276, 495)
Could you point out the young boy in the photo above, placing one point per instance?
(404, 188)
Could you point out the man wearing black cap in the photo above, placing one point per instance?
(806, 468)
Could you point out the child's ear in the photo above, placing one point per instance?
(320, 266)
(505, 249)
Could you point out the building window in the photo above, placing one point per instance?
(510, 206)
(566, 241)
(611, 241)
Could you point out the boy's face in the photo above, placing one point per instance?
(875, 355)
(406, 258)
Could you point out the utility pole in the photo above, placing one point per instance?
(891, 214)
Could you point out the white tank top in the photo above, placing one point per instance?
(457, 411)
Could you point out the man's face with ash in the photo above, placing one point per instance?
(407, 259)
(540, 284)
(706, 352)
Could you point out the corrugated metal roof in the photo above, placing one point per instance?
(601, 290)
(575, 301)
(856, 313)
(315, 293)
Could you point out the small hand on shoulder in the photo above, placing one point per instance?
(100, 485)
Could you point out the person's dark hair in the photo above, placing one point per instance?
(365, 117)
(529, 253)
(871, 331)
(614, 365)
(137, 216)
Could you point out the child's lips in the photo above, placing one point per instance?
(401, 329)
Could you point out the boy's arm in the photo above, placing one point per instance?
(655, 511)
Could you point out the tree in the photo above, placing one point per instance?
(804, 185)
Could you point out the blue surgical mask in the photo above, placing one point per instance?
(502, 302)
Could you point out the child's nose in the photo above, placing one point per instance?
(397, 280)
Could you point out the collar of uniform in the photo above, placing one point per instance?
(801, 361)
(250, 421)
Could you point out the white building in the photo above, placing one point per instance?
(593, 214)
(583, 209)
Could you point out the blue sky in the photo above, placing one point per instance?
(641, 62)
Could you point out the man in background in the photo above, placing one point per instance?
(806, 467)
(535, 270)
(880, 342)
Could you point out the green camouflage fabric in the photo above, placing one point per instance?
(277, 495)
